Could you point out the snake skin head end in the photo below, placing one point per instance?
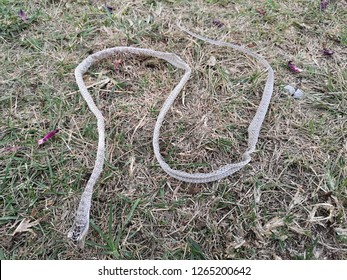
(78, 233)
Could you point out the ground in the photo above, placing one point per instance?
(288, 203)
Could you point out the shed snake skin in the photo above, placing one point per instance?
(80, 228)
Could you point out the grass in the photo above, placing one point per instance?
(288, 203)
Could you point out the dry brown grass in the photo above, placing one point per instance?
(289, 203)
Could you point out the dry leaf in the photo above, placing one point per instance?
(212, 61)
(328, 207)
(257, 195)
(273, 224)
(237, 244)
(194, 189)
(132, 167)
(298, 230)
(297, 199)
(252, 45)
(25, 225)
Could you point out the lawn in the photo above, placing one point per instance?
(288, 203)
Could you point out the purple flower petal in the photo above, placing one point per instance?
(22, 15)
(293, 67)
(328, 52)
(48, 136)
(324, 5)
(218, 23)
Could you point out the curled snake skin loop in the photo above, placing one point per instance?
(80, 228)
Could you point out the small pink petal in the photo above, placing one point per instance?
(22, 15)
(328, 52)
(48, 136)
(293, 67)
(324, 5)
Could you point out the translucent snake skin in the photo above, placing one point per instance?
(80, 228)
